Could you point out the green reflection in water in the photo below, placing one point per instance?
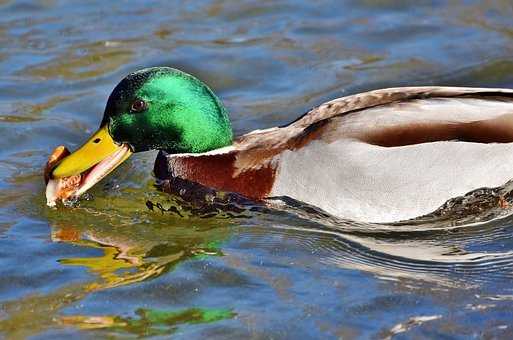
(149, 322)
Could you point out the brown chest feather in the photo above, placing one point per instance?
(218, 171)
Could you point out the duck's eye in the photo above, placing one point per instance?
(139, 106)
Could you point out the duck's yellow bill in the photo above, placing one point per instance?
(97, 149)
(82, 169)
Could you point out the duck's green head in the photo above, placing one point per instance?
(166, 109)
(155, 108)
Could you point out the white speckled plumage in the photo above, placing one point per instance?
(370, 183)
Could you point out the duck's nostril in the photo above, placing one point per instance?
(97, 140)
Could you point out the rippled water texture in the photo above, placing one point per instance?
(113, 267)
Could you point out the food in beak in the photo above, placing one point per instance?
(60, 189)
(69, 188)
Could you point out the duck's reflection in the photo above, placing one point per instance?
(127, 256)
(127, 261)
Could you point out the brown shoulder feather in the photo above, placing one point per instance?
(261, 146)
(366, 100)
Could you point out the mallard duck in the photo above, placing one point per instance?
(380, 156)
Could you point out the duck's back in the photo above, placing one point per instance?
(380, 156)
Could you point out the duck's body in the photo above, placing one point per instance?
(380, 156)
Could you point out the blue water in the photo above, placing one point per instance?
(113, 268)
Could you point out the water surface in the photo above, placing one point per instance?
(114, 267)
